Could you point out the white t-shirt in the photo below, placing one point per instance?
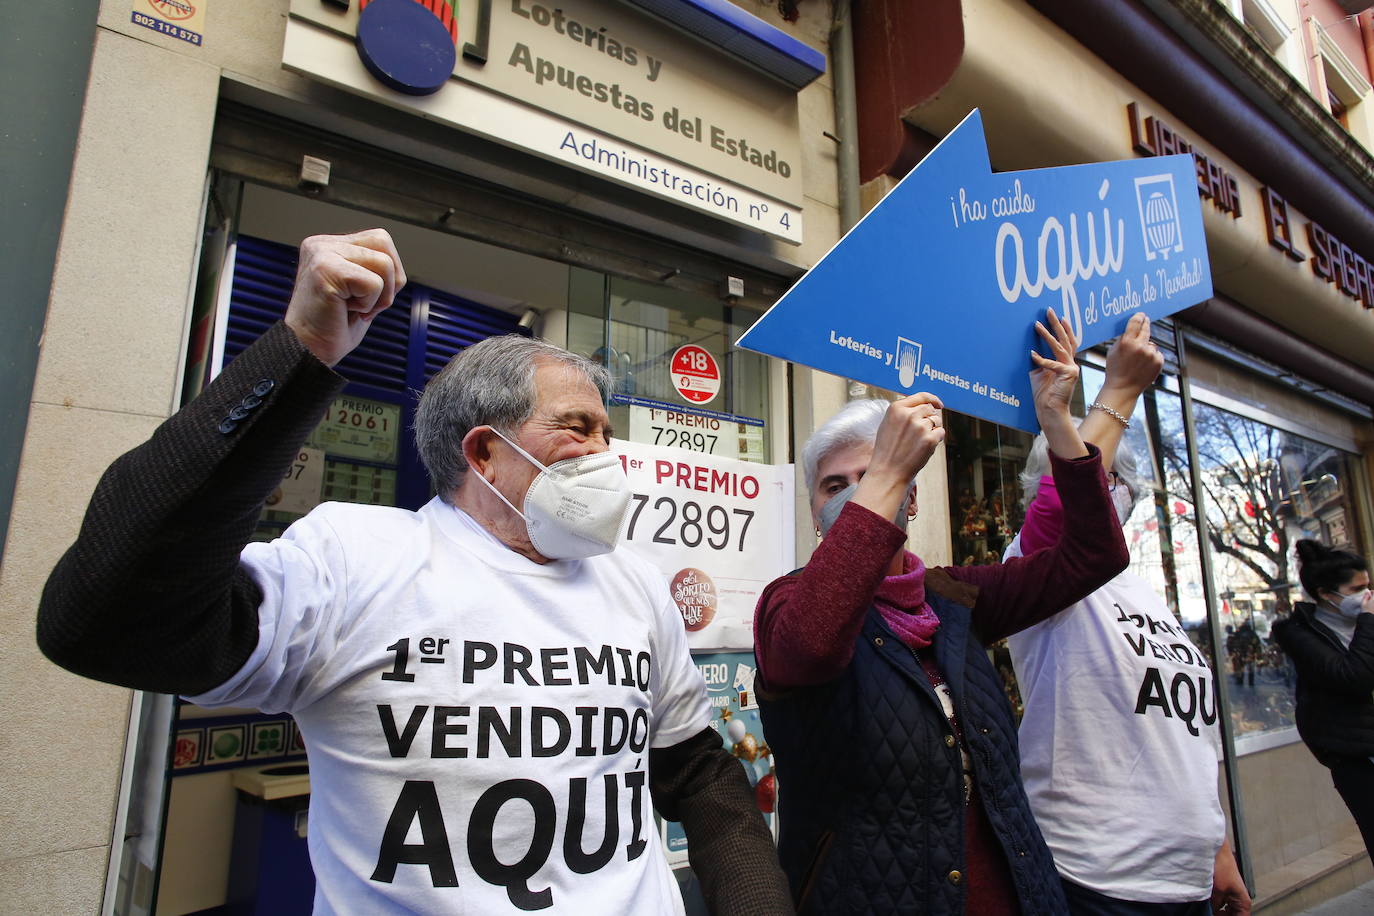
(1119, 745)
(478, 725)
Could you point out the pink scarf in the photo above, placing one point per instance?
(901, 599)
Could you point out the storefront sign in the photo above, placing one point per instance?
(1154, 137)
(948, 273)
(1332, 260)
(181, 19)
(599, 86)
(718, 529)
(408, 45)
(706, 432)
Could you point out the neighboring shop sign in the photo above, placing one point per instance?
(1096, 242)
(708, 432)
(729, 680)
(1153, 137)
(1332, 260)
(360, 429)
(695, 373)
(183, 19)
(718, 529)
(596, 85)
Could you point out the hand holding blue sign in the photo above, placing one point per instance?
(1053, 382)
(938, 285)
(913, 428)
(910, 432)
(1133, 364)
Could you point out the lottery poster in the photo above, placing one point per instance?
(729, 680)
(719, 530)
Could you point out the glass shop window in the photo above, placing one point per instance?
(1264, 490)
(985, 487)
(678, 379)
(986, 510)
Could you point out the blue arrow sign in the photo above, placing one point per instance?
(938, 287)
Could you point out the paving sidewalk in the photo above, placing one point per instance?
(1358, 902)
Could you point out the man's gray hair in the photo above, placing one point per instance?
(491, 383)
(1038, 466)
(856, 422)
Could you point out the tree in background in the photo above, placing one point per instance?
(1248, 502)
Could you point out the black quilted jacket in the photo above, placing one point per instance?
(1335, 708)
(871, 807)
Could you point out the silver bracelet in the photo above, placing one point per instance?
(1098, 405)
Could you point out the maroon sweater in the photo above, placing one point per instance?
(806, 624)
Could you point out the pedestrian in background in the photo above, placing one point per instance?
(1331, 643)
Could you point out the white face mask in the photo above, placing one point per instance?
(1350, 605)
(575, 507)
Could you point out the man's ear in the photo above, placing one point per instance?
(913, 509)
(477, 448)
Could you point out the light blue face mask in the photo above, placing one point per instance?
(1351, 606)
(831, 510)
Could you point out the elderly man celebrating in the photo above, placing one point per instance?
(490, 695)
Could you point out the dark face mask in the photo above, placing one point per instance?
(831, 510)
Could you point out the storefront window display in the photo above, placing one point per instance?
(985, 488)
(1264, 489)
(679, 381)
(986, 511)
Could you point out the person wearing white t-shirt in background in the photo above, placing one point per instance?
(492, 696)
(1119, 740)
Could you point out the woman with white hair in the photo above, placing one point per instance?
(895, 747)
(1119, 740)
